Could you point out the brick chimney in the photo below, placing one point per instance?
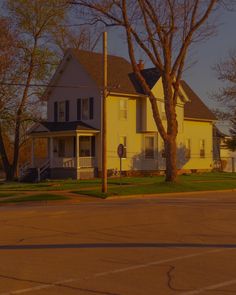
(141, 65)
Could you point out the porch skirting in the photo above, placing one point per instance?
(73, 173)
(63, 173)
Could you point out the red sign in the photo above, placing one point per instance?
(120, 150)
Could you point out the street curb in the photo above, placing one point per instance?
(142, 196)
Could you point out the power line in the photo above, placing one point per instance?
(42, 85)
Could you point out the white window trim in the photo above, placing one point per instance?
(58, 111)
(82, 104)
(125, 109)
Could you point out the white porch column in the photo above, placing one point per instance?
(51, 151)
(77, 152)
(32, 153)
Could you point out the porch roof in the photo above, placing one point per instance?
(62, 126)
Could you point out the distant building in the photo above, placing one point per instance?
(224, 159)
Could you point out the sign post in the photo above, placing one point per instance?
(120, 152)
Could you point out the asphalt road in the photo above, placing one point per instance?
(162, 245)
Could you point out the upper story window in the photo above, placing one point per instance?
(61, 111)
(149, 147)
(123, 111)
(202, 148)
(85, 108)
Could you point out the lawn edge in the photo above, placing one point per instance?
(142, 196)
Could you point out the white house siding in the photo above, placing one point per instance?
(74, 75)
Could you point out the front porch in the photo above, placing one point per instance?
(70, 154)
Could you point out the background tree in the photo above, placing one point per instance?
(32, 21)
(231, 143)
(226, 72)
(65, 37)
(226, 95)
(163, 30)
(8, 59)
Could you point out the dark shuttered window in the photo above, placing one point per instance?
(74, 147)
(55, 111)
(79, 109)
(91, 103)
(67, 110)
(93, 146)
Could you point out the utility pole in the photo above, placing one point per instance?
(104, 116)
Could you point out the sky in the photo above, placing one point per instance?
(200, 76)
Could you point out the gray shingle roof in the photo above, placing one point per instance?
(66, 126)
(195, 108)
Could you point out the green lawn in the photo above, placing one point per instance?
(35, 198)
(8, 194)
(153, 185)
(56, 185)
(130, 185)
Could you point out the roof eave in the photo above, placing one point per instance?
(200, 119)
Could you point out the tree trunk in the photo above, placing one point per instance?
(9, 169)
(10, 173)
(171, 159)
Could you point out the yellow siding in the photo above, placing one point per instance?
(196, 131)
(140, 123)
(118, 127)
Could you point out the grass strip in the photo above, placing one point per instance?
(36, 198)
(8, 194)
(159, 188)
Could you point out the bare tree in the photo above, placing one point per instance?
(226, 72)
(32, 21)
(164, 30)
(65, 37)
(226, 95)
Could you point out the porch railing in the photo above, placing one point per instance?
(63, 162)
(86, 162)
(70, 162)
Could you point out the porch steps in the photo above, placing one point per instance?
(31, 175)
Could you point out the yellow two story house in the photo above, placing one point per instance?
(74, 115)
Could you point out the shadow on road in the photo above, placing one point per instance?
(115, 245)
